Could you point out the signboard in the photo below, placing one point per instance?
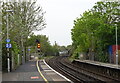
(37, 41)
(8, 45)
(28, 49)
(7, 40)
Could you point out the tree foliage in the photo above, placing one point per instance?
(45, 46)
(25, 18)
(95, 29)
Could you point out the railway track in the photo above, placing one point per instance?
(75, 73)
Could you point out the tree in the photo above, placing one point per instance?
(45, 46)
(25, 18)
(95, 29)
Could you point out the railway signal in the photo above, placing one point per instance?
(38, 45)
(37, 41)
(38, 50)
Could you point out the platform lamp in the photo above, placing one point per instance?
(116, 41)
(8, 59)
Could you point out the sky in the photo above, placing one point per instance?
(60, 16)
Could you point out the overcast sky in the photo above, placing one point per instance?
(59, 17)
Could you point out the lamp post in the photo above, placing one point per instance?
(116, 45)
(116, 21)
(8, 56)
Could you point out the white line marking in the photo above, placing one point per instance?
(58, 72)
(47, 70)
(37, 62)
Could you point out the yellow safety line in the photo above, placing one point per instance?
(41, 73)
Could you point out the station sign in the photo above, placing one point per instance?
(7, 40)
(8, 45)
(29, 49)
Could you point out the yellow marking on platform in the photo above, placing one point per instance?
(41, 73)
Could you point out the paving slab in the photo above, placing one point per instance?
(26, 72)
(50, 73)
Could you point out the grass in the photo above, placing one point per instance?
(71, 59)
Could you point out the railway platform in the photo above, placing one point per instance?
(100, 63)
(51, 73)
(34, 71)
(111, 71)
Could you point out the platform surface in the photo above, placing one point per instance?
(100, 63)
(29, 72)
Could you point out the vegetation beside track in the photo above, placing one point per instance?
(94, 31)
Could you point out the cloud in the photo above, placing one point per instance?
(60, 15)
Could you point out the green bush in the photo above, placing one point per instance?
(16, 51)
